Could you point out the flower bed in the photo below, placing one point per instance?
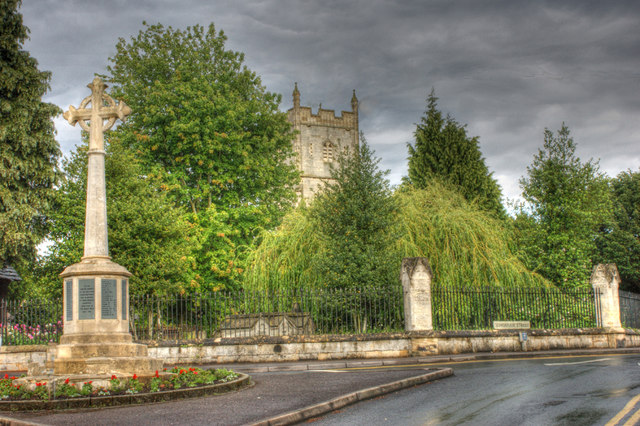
(172, 384)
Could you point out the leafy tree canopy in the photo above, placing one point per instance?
(28, 149)
(203, 123)
(207, 130)
(619, 242)
(147, 234)
(443, 151)
(566, 202)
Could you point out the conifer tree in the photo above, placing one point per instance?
(443, 151)
(28, 149)
(354, 218)
(566, 203)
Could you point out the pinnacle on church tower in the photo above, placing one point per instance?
(354, 101)
(296, 96)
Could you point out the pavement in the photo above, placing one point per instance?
(288, 393)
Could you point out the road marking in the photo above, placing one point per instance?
(329, 371)
(627, 408)
(474, 361)
(578, 362)
(633, 420)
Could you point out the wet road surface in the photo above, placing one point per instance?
(552, 391)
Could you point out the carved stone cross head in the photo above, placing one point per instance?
(103, 107)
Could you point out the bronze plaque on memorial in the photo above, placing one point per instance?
(109, 305)
(86, 299)
(125, 299)
(68, 292)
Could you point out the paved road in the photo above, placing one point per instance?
(565, 391)
(273, 394)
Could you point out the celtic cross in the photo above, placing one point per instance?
(103, 107)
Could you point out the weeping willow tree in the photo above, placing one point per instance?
(284, 260)
(465, 246)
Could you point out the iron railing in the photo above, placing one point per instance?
(324, 311)
(30, 322)
(629, 309)
(476, 309)
(244, 314)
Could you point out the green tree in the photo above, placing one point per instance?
(147, 234)
(619, 242)
(28, 149)
(354, 217)
(566, 202)
(443, 151)
(206, 128)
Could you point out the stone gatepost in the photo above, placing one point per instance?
(416, 278)
(605, 281)
(96, 338)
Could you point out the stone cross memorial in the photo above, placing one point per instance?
(96, 338)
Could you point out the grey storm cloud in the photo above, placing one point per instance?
(506, 69)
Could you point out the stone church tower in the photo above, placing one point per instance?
(320, 138)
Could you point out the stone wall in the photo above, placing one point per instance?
(333, 347)
(18, 358)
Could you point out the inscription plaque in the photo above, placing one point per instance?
(124, 299)
(506, 325)
(86, 299)
(109, 305)
(68, 291)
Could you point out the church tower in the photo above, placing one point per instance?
(320, 138)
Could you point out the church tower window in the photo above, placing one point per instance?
(327, 152)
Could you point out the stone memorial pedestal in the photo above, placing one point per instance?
(96, 337)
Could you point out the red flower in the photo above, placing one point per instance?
(164, 369)
(13, 377)
(66, 382)
(195, 372)
(6, 376)
(135, 377)
(113, 377)
(157, 375)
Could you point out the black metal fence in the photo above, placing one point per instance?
(244, 314)
(476, 309)
(328, 311)
(629, 309)
(30, 322)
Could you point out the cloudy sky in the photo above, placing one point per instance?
(508, 69)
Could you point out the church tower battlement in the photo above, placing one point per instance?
(320, 139)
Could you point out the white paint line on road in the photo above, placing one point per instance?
(329, 371)
(578, 362)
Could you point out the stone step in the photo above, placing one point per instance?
(91, 350)
(111, 338)
(107, 365)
